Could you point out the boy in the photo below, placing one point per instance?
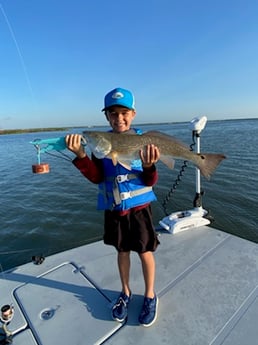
(126, 227)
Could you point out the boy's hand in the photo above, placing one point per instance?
(73, 143)
(149, 155)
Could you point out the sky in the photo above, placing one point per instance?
(180, 58)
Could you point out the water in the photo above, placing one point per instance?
(44, 214)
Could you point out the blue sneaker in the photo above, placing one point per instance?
(119, 310)
(149, 311)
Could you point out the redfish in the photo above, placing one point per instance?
(123, 148)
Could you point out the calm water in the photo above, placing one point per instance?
(44, 214)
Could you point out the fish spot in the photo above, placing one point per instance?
(202, 157)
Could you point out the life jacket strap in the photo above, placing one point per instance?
(118, 197)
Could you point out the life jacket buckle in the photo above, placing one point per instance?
(122, 178)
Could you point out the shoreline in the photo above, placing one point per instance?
(59, 129)
(31, 130)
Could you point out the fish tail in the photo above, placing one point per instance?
(208, 162)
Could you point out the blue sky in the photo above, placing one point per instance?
(181, 59)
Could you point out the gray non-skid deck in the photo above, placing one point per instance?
(206, 281)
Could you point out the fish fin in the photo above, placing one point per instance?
(125, 164)
(208, 162)
(168, 161)
(113, 156)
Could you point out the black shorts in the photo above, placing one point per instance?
(133, 231)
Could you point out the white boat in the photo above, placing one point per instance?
(206, 281)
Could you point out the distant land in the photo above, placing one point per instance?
(31, 130)
(56, 129)
(47, 129)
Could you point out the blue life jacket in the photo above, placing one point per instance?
(123, 188)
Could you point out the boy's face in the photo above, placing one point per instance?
(120, 118)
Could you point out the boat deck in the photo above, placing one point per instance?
(206, 281)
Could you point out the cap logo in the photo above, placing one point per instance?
(117, 95)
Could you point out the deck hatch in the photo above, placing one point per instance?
(62, 304)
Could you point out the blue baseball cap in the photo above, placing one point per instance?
(120, 97)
